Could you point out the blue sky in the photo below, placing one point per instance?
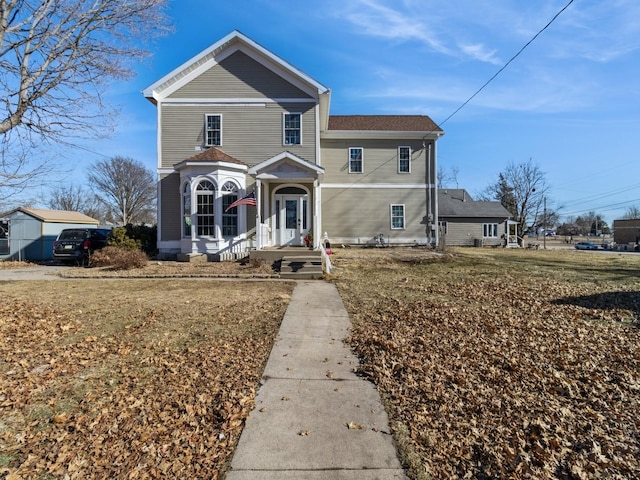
(570, 101)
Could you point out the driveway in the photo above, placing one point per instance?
(32, 272)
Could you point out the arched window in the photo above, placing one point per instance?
(186, 210)
(205, 213)
(229, 217)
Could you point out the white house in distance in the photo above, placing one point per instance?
(238, 121)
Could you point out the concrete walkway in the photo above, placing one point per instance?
(314, 418)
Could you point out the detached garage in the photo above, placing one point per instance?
(30, 232)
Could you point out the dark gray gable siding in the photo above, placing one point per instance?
(239, 76)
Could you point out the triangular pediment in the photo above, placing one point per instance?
(224, 49)
(286, 166)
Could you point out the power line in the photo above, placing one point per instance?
(464, 104)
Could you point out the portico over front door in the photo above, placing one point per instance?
(292, 216)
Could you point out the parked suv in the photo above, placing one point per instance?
(77, 244)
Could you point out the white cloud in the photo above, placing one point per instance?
(478, 52)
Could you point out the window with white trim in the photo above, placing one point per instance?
(397, 217)
(205, 212)
(490, 230)
(292, 131)
(356, 159)
(404, 159)
(186, 211)
(213, 130)
(229, 218)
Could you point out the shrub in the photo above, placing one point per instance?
(118, 258)
(119, 238)
(146, 237)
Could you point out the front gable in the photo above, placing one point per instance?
(269, 66)
(240, 77)
(286, 166)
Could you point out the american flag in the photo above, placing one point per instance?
(246, 200)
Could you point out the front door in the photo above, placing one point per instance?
(292, 218)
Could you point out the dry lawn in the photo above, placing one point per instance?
(501, 363)
(130, 378)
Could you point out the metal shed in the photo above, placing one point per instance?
(30, 232)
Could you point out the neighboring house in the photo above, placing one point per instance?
(626, 232)
(237, 121)
(466, 222)
(31, 231)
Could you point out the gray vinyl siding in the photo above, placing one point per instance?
(239, 76)
(250, 134)
(170, 205)
(357, 214)
(380, 161)
(464, 232)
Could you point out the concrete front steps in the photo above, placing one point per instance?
(293, 263)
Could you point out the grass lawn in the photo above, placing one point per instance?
(498, 363)
(130, 378)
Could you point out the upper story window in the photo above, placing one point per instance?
(404, 159)
(356, 159)
(292, 132)
(213, 130)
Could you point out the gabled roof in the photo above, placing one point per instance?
(388, 123)
(456, 202)
(286, 165)
(222, 49)
(55, 216)
(214, 154)
(209, 156)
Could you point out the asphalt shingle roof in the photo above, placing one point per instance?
(214, 154)
(456, 202)
(399, 123)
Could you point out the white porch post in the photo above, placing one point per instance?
(317, 213)
(258, 215)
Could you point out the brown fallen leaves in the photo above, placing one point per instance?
(137, 388)
(488, 372)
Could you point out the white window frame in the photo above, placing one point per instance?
(284, 128)
(201, 216)
(229, 191)
(490, 230)
(393, 216)
(351, 149)
(408, 160)
(207, 130)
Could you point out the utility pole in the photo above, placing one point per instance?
(544, 230)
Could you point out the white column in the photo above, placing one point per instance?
(258, 216)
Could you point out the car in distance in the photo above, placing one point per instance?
(586, 246)
(77, 244)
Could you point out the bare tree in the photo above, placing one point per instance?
(521, 189)
(632, 213)
(56, 59)
(77, 199)
(126, 188)
(447, 177)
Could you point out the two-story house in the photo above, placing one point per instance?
(238, 123)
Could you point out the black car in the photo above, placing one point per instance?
(77, 244)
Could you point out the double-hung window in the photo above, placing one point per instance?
(490, 230)
(205, 213)
(404, 159)
(186, 210)
(213, 130)
(292, 131)
(397, 217)
(229, 218)
(356, 160)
